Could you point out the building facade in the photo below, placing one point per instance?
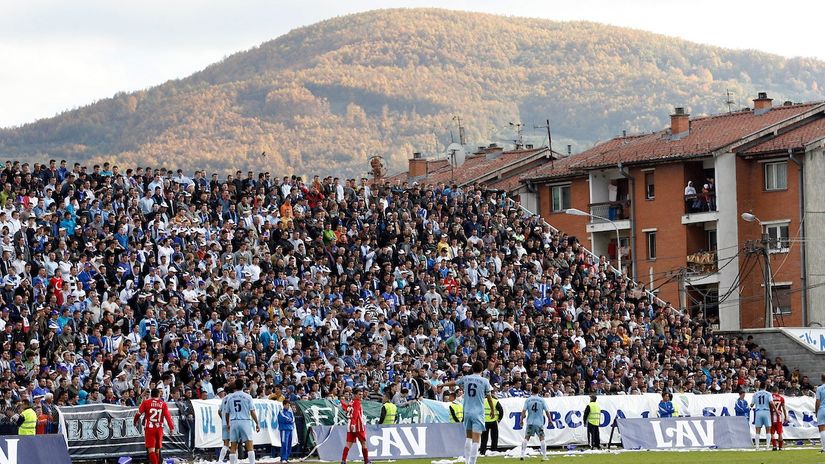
(671, 204)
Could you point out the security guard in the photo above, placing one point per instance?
(389, 411)
(593, 414)
(27, 422)
(456, 407)
(492, 418)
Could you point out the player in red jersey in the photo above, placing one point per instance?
(779, 416)
(154, 411)
(356, 426)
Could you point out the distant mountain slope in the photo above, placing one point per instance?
(325, 97)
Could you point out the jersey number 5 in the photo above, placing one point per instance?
(237, 405)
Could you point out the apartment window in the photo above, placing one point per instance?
(712, 240)
(651, 244)
(778, 240)
(561, 197)
(781, 299)
(776, 176)
(650, 192)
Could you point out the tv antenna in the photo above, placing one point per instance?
(461, 138)
(729, 100)
(519, 127)
(457, 157)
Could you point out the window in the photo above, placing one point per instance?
(778, 241)
(649, 187)
(651, 245)
(561, 197)
(776, 176)
(781, 299)
(712, 240)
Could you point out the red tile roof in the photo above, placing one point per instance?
(795, 138)
(706, 135)
(476, 168)
(563, 167)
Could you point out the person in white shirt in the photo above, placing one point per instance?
(339, 190)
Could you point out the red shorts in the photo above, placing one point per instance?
(153, 438)
(360, 436)
(776, 427)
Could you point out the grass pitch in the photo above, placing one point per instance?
(789, 456)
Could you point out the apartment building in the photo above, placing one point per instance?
(670, 204)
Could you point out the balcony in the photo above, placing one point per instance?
(700, 208)
(616, 211)
(702, 268)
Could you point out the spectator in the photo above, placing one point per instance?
(149, 278)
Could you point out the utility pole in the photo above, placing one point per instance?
(766, 253)
(549, 141)
(763, 249)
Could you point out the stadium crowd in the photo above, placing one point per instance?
(116, 281)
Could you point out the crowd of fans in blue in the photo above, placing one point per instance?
(116, 281)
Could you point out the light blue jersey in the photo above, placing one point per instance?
(476, 389)
(535, 407)
(223, 416)
(820, 395)
(762, 400)
(239, 406)
(762, 409)
(820, 414)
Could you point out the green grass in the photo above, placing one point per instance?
(792, 456)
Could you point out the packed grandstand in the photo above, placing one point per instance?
(116, 281)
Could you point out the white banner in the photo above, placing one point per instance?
(208, 423)
(812, 338)
(567, 427)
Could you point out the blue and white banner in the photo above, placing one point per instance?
(100, 431)
(685, 433)
(395, 441)
(208, 423)
(813, 338)
(34, 450)
(567, 427)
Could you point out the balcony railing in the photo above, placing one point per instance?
(702, 262)
(613, 210)
(700, 203)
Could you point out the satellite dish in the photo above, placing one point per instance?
(457, 154)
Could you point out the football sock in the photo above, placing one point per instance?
(224, 452)
(365, 453)
(251, 457)
(523, 447)
(822, 439)
(233, 458)
(543, 449)
(474, 452)
(344, 456)
(468, 443)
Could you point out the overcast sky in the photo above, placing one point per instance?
(58, 54)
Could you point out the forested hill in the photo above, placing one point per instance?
(325, 97)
